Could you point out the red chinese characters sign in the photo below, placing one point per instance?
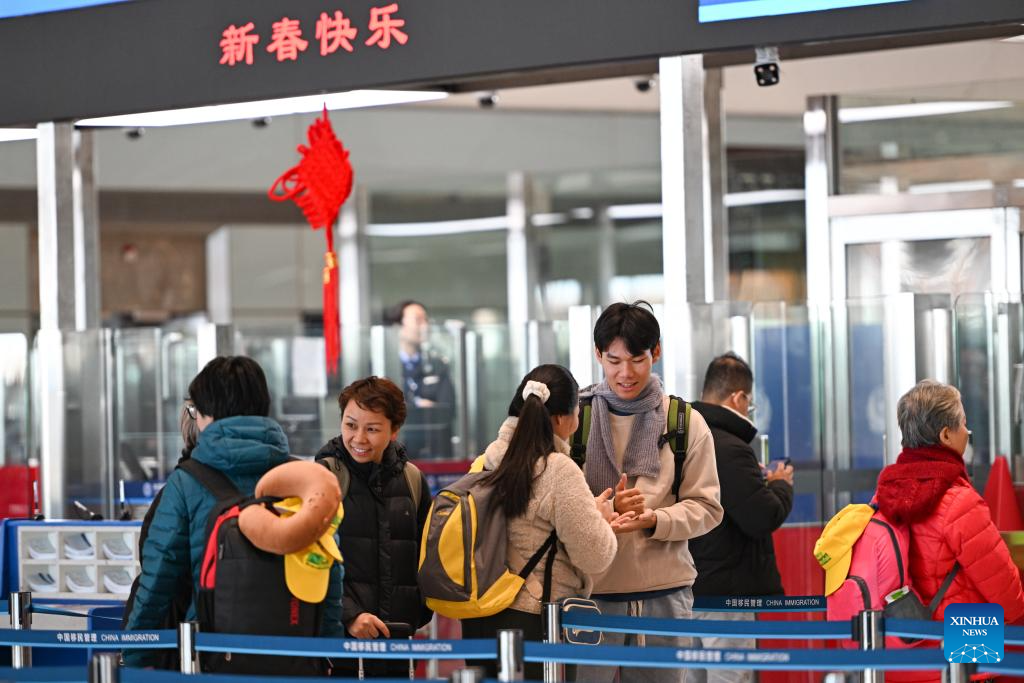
(236, 44)
(287, 40)
(334, 31)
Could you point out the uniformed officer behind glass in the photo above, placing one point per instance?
(427, 384)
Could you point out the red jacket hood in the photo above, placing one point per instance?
(909, 490)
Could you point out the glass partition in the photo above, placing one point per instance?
(826, 385)
(784, 378)
(88, 470)
(458, 380)
(928, 143)
(14, 400)
(787, 375)
(18, 464)
(990, 375)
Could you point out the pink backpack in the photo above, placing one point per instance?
(879, 579)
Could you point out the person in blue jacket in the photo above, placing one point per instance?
(231, 403)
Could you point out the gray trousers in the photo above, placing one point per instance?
(677, 605)
(714, 643)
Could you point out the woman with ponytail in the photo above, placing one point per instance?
(543, 490)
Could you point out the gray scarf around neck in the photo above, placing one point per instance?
(642, 457)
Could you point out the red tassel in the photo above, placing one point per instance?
(332, 327)
(320, 183)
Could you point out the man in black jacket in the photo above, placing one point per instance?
(737, 557)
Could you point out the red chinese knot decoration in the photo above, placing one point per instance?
(319, 184)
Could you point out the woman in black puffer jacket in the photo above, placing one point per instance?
(386, 501)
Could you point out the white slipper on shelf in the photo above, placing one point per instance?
(79, 581)
(41, 582)
(118, 581)
(78, 547)
(40, 548)
(116, 549)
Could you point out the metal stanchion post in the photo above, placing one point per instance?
(553, 671)
(510, 655)
(20, 606)
(959, 672)
(470, 674)
(187, 631)
(104, 668)
(870, 628)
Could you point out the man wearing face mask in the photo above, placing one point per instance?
(737, 557)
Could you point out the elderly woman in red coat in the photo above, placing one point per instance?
(949, 522)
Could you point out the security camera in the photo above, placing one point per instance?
(644, 84)
(766, 66)
(134, 133)
(261, 122)
(488, 100)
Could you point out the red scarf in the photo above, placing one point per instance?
(937, 453)
(909, 490)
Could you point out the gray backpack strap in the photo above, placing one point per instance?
(414, 480)
(934, 604)
(336, 466)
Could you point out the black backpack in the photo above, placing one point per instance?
(242, 589)
(676, 435)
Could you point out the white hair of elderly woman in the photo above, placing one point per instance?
(925, 410)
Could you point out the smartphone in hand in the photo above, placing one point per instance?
(399, 630)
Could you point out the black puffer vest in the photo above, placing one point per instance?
(380, 537)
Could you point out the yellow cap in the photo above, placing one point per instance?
(307, 572)
(834, 548)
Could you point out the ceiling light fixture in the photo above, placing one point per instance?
(353, 99)
(916, 109)
(14, 134)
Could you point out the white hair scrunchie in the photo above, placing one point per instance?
(538, 389)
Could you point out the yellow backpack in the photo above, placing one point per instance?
(462, 571)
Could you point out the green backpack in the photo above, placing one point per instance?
(676, 435)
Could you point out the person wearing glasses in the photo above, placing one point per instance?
(229, 401)
(737, 557)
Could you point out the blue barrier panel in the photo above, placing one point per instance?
(123, 640)
(776, 603)
(814, 630)
(347, 647)
(4, 606)
(1013, 635)
(779, 660)
(53, 674)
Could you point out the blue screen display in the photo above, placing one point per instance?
(19, 8)
(724, 10)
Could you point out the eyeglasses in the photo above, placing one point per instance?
(190, 408)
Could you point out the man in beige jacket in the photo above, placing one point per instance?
(652, 571)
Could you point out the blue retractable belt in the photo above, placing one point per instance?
(780, 660)
(118, 640)
(347, 647)
(811, 630)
